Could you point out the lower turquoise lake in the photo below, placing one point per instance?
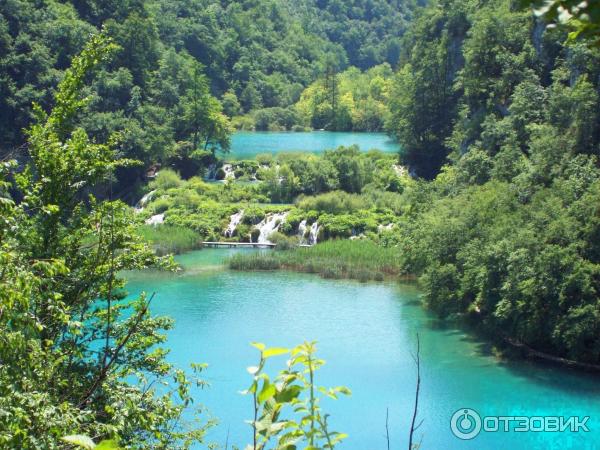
(367, 335)
(247, 144)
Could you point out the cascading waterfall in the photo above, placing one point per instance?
(302, 231)
(233, 223)
(269, 225)
(156, 219)
(211, 173)
(139, 207)
(229, 172)
(314, 233)
(382, 227)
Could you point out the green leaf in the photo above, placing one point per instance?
(258, 345)
(288, 394)
(275, 351)
(80, 441)
(108, 445)
(266, 392)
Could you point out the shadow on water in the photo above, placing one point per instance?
(541, 372)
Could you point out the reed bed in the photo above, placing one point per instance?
(359, 260)
(169, 239)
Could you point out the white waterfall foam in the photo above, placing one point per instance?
(139, 207)
(400, 170)
(382, 227)
(269, 225)
(302, 232)
(314, 233)
(156, 219)
(229, 172)
(233, 223)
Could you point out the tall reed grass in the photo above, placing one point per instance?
(169, 239)
(360, 260)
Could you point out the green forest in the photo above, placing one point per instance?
(491, 206)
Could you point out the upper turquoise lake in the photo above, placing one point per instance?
(367, 334)
(247, 144)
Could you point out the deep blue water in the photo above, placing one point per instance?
(247, 144)
(367, 334)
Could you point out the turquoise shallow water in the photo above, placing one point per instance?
(366, 332)
(246, 144)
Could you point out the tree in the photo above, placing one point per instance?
(582, 17)
(71, 344)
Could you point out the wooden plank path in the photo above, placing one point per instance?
(214, 244)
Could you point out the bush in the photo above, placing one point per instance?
(162, 204)
(336, 202)
(169, 239)
(264, 159)
(166, 179)
(282, 241)
(254, 234)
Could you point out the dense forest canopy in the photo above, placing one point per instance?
(184, 66)
(505, 118)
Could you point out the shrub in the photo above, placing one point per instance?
(161, 204)
(166, 179)
(264, 158)
(170, 239)
(254, 233)
(336, 202)
(282, 241)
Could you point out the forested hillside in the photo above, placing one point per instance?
(505, 117)
(492, 204)
(183, 66)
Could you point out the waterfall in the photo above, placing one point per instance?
(233, 223)
(229, 172)
(144, 201)
(211, 173)
(314, 233)
(302, 231)
(382, 227)
(269, 225)
(156, 219)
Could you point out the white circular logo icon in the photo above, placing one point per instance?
(465, 424)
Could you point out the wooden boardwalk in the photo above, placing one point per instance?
(214, 244)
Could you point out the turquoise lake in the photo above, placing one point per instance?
(247, 144)
(367, 334)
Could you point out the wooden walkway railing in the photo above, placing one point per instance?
(214, 244)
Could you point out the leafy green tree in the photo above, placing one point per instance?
(62, 300)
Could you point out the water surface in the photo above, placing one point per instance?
(247, 144)
(366, 332)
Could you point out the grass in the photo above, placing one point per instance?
(169, 239)
(358, 260)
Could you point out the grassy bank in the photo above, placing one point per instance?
(169, 239)
(359, 260)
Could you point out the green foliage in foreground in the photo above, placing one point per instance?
(286, 407)
(293, 392)
(361, 260)
(583, 18)
(76, 357)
